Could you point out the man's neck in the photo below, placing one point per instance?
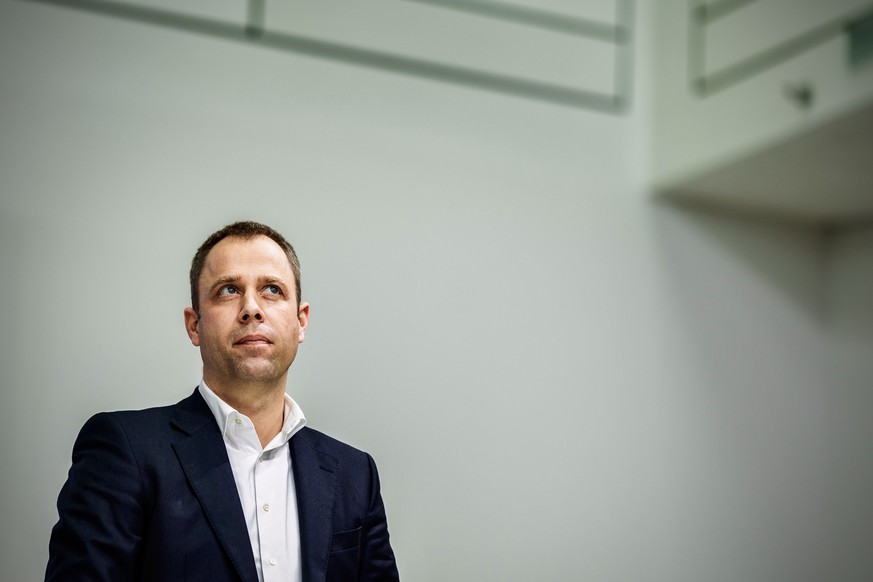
(263, 405)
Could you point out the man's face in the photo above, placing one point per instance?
(249, 325)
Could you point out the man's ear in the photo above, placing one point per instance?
(303, 320)
(191, 322)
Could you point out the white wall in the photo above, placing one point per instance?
(558, 379)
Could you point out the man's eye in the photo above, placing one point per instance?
(227, 290)
(274, 289)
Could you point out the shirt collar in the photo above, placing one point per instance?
(226, 416)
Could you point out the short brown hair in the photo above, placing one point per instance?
(245, 229)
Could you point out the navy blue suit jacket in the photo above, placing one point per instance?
(151, 496)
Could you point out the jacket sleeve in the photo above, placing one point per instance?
(101, 508)
(377, 557)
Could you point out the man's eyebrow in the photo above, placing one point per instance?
(272, 279)
(224, 280)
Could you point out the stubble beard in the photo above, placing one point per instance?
(255, 370)
(234, 369)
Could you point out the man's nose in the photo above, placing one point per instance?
(250, 309)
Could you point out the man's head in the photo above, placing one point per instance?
(247, 230)
(246, 318)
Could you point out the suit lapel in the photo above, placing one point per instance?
(315, 482)
(204, 460)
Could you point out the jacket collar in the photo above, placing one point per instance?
(203, 458)
(315, 479)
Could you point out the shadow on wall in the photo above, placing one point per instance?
(789, 259)
(751, 434)
(825, 273)
(849, 271)
(782, 416)
(850, 397)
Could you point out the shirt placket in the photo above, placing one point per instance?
(271, 520)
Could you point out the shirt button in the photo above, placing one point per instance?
(238, 421)
(272, 561)
(266, 507)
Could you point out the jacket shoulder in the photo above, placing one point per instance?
(149, 422)
(327, 443)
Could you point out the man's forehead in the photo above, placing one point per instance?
(233, 256)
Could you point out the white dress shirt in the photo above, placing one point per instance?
(265, 483)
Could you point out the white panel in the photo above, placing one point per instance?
(762, 25)
(701, 137)
(451, 37)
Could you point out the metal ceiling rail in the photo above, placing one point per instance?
(255, 32)
(563, 23)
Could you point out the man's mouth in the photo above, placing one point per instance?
(252, 340)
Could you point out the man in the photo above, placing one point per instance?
(226, 485)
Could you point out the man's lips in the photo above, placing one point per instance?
(253, 340)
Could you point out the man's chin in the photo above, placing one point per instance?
(263, 372)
